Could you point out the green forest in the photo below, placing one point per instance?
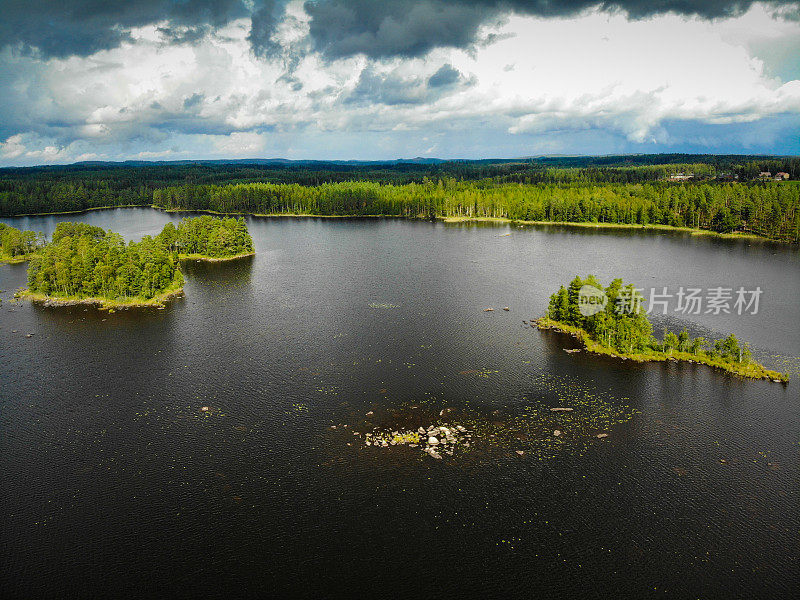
(209, 237)
(16, 245)
(622, 328)
(769, 210)
(83, 261)
(724, 193)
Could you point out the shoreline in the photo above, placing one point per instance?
(100, 303)
(441, 218)
(14, 260)
(77, 212)
(752, 370)
(592, 225)
(212, 259)
(498, 220)
(273, 215)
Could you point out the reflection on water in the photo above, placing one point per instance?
(117, 479)
(133, 223)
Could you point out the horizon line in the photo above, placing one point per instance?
(416, 159)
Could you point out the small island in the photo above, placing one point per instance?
(84, 264)
(18, 246)
(209, 238)
(621, 329)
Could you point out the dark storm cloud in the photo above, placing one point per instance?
(392, 89)
(264, 21)
(447, 75)
(407, 28)
(82, 27)
(341, 28)
(338, 28)
(389, 89)
(181, 34)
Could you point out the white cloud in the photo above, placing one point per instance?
(240, 143)
(148, 99)
(630, 75)
(33, 148)
(12, 148)
(148, 155)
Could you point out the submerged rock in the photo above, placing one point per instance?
(433, 440)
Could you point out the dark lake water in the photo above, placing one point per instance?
(116, 483)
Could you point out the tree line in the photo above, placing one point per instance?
(36, 190)
(771, 210)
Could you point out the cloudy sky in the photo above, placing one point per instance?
(382, 79)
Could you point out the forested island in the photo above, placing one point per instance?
(18, 246)
(622, 329)
(209, 238)
(84, 264)
(721, 194)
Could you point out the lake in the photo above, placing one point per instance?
(117, 482)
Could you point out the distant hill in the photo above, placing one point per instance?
(255, 161)
(550, 160)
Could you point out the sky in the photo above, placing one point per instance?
(111, 80)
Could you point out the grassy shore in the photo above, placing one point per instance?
(445, 219)
(205, 258)
(750, 370)
(101, 303)
(13, 260)
(308, 215)
(592, 225)
(272, 215)
(498, 220)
